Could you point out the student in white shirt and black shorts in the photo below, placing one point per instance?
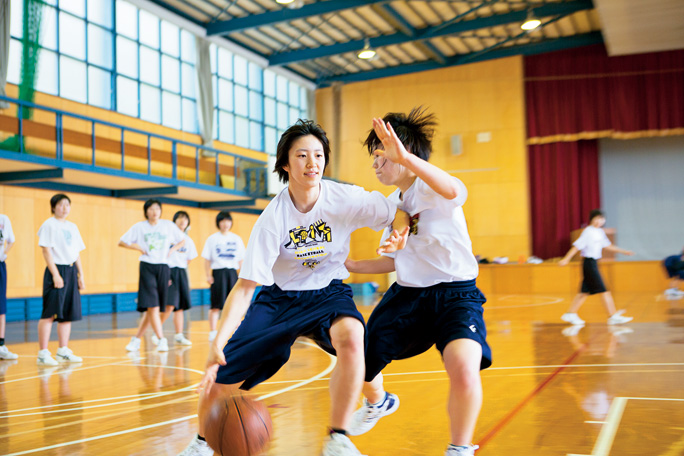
(296, 251)
(223, 253)
(178, 294)
(6, 242)
(61, 244)
(156, 239)
(435, 300)
(591, 243)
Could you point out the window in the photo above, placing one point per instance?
(113, 55)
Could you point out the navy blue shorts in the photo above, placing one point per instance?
(224, 281)
(408, 321)
(62, 304)
(3, 288)
(674, 266)
(153, 286)
(261, 344)
(592, 283)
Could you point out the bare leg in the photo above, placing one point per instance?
(44, 329)
(374, 390)
(462, 362)
(63, 333)
(346, 380)
(577, 302)
(178, 321)
(155, 321)
(608, 302)
(142, 326)
(2, 326)
(167, 313)
(213, 318)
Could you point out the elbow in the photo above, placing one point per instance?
(450, 193)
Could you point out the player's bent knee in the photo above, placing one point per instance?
(347, 334)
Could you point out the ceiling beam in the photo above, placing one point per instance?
(549, 9)
(547, 45)
(429, 49)
(228, 204)
(145, 192)
(393, 18)
(285, 15)
(31, 175)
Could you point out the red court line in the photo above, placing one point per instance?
(506, 419)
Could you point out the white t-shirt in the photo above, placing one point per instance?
(307, 251)
(155, 240)
(63, 239)
(224, 251)
(439, 249)
(6, 235)
(181, 257)
(591, 242)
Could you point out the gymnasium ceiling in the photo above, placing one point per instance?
(319, 40)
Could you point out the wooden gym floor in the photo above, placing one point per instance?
(596, 391)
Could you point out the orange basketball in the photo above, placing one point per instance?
(236, 425)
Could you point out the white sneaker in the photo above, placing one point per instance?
(180, 339)
(368, 415)
(133, 345)
(65, 354)
(572, 318)
(339, 445)
(572, 330)
(469, 451)
(46, 359)
(674, 292)
(197, 448)
(6, 354)
(618, 319)
(212, 336)
(155, 340)
(163, 345)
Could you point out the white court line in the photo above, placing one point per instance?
(552, 300)
(57, 371)
(331, 366)
(606, 437)
(608, 431)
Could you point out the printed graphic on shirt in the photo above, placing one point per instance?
(413, 223)
(67, 236)
(306, 242)
(154, 241)
(226, 250)
(181, 250)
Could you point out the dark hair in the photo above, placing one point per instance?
(415, 132)
(54, 201)
(179, 214)
(595, 213)
(149, 203)
(221, 216)
(300, 128)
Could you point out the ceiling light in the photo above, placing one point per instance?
(367, 52)
(531, 22)
(284, 2)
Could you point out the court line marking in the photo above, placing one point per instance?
(553, 300)
(506, 419)
(606, 437)
(331, 366)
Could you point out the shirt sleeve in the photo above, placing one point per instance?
(176, 234)
(261, 254)
(9, 234)
(80, 245)
(605, 242)
(131, 236)
(190, 249)
(206, 250)
(581, 242)
(46, 235)
(370, 209)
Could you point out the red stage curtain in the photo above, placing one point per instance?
(564, 182)
(582, 93)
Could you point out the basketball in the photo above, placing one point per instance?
(236, 425)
